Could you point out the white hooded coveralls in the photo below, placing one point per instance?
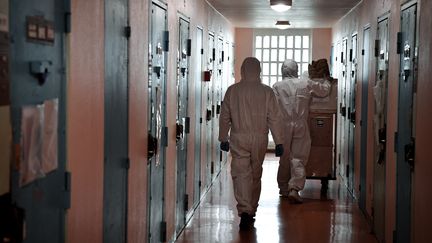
(248, 110)
(294, 95)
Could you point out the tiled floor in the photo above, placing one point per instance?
(335, 218)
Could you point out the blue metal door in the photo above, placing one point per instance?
(116, 161)
(38, 100)
(183, 122)
(158, 48)
(198, 112)
(405, 141)
(364, 118)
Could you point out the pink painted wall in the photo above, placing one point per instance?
(85, 121)
(244, 39)
(138, 96)
(367, 13)
(200, 14)
(321, 43)
(422, 197)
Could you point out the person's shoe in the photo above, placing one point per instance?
(246, 221)
(294, 197)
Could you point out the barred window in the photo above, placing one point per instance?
(273, 47)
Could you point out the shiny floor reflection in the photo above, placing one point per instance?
(334, 218)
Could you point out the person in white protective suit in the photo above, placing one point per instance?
(248, 110)
(294, 95)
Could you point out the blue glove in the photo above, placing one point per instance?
(224, 146)
(279, 150)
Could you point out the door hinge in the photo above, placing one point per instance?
(127, 31)
(166, 41)
(189, 47)
(399, 43)
(347, 171)
(187, 125)
(127, 164)
(212, 168)
(67, 19)
(67, 191)
(377, 43)
(220, 156)
(214, 54)
(199, 183)
(163, 231)
(363, 52)
(223, 56)
(186, 202)
(396, 142)
(164, 139)
(351, 55)
(202, 51)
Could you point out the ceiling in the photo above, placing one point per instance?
(303, 14)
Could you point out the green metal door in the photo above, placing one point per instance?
(380, 121)
(38, 101)
(351, 111)
(210, 111)
(158, 140)
(116, 161)
(364, 118)
(183, 121)
(405, 146)
(198, 112)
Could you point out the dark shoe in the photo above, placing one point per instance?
(294, 197)
(246, 222)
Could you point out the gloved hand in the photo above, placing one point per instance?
(279, 150)
(224, 146)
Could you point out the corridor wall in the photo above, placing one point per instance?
(85, 143)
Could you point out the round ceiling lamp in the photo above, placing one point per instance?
(280, 5)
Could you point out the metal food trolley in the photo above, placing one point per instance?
(322, 126)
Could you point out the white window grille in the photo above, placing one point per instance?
(273, 47)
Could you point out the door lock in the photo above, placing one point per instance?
(410, 153)
(152, 146)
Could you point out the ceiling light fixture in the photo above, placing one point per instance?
(282, 24)
(280, 5)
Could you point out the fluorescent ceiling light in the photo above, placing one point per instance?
(282, 24)
(280, 5)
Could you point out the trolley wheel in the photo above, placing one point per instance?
(324, 186)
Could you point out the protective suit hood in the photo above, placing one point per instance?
(290, 69)
(253, 67)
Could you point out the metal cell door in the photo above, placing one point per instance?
(116, 161)
(211, 55)
(380, 121)
(198, 112)
(158, 140)
(344, 128)
(217, 100)
(182, 121)
(364, 117)
(351, 112)
(405, 140)
(38, 102)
